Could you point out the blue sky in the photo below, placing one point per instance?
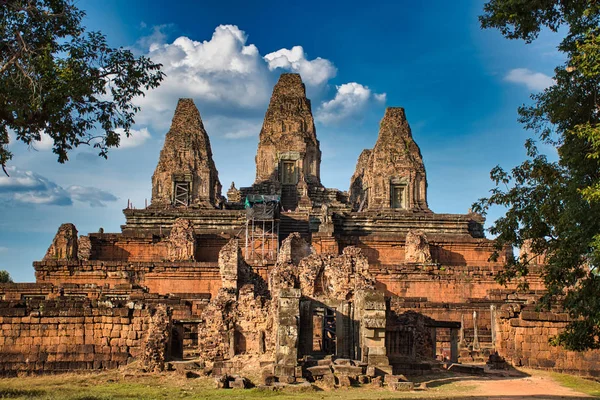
(460, 86)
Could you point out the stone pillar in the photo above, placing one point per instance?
(434, 341)
(493, 324)
(371, 312)
(453, 345)
(476, 346)
(230, 258)
(286, 346)
(231, 335)
(462, 343)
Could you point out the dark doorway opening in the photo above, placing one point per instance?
(324, 331)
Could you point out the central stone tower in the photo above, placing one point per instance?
(288, 159)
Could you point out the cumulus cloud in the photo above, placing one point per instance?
(91, 195)
(314, 72)
(136, 138)
(533, 80)
(223, 73)
(31, 188)
(234, 128)
(230, 80)
(349, 101)
(45, 143)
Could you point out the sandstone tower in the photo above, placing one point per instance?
(288, 156)
(392, 174)
(186, 175)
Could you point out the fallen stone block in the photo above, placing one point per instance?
(328, 380)
(347, 370)
(377, 381)
(343, 380)
(221, 382)
(402, 386)
(343, 361)
(467, 369)
(395, 378)
(239, 383)
(267, 388)
(319, 370)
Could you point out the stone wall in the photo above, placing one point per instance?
(67, 334)
(522, 340)
(157, 277)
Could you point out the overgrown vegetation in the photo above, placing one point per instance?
(554, 207)
(59, 80)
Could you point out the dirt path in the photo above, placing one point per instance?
(531, 387)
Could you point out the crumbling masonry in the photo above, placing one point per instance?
(284, 275)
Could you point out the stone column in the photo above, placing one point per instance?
(493, 324)
(286, 346)
(434, 340)
(371, 313)
(453, 345)
(476, 346)
(462, 343)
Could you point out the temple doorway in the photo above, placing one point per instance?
(324, 337)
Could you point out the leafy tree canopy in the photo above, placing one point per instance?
(554, 207)
(5, 277)
(58, 79)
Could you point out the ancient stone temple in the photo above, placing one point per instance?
(285, 276)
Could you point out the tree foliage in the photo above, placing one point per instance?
(5, 277)
(554, 207)
(58, 79)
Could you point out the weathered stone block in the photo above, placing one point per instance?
(402, 386)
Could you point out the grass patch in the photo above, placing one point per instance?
(583, 385)
(114, 385)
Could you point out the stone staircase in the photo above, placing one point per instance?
(290, 222)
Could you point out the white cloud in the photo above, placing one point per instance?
(94, 196)
(533, 80)
(31, 188)
(380, 97)
(234, 128)
(349, 102)
(222, 73)
(4, 249)
(230, 81)
(136, 137)
(314, 72)
(44, 144)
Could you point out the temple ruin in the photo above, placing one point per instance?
(297, 280)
